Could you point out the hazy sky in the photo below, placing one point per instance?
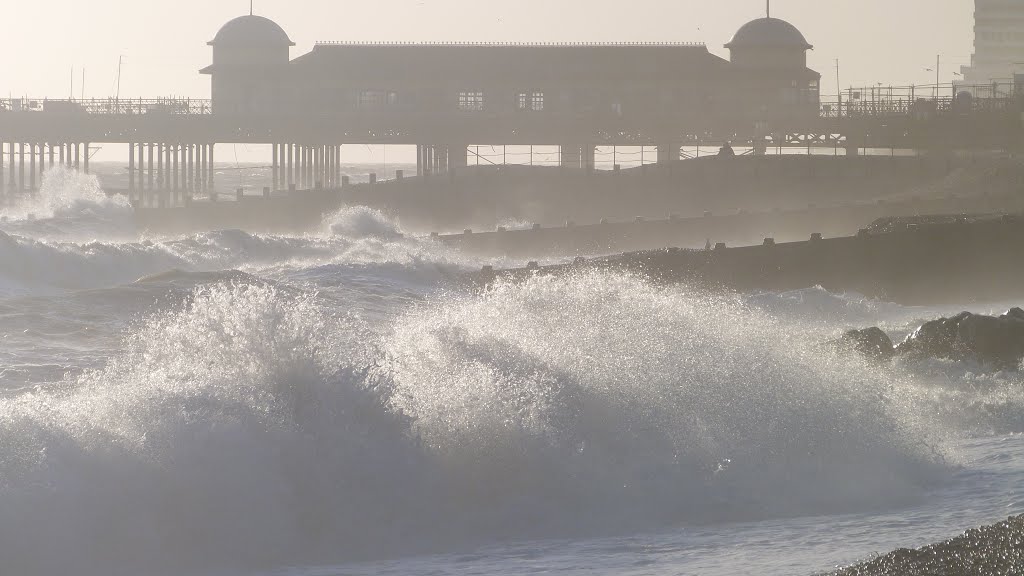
(163, 43)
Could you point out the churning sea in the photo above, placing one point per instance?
(341, 403)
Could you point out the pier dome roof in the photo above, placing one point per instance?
(769, 33)
(252, 30)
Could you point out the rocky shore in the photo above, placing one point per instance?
(995, 343)
(990, 551)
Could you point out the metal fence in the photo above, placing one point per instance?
(109, 106)
(923, 101)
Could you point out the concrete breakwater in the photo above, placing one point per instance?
(742, 227)
(484, 198)
(910, 261)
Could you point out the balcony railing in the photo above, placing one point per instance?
(109, 106)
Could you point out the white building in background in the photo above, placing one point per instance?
(998, 42)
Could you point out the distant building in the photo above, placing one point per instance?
(998, 42)
(651, 87)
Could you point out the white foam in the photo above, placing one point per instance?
(69, 204)
(249, 426)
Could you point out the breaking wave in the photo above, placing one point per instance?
(250, 426)
(69, 204)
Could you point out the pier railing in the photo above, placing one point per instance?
(923, 101)
(109, 106)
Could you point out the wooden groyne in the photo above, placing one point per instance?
(741, 227)
(763, 196)
(911, 261)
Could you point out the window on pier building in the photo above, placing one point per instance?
(472, 101)
(376, 98)
(530, 101)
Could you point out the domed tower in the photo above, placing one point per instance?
(769, 43)
(769, 59)
(249, 54)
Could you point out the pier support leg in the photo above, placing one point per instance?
(273, 164)
(318, 163)
(62, 149)
(290, 158)
(441, 162)
(201, 183)
(328, 166)
(11, 186)
(588, 158)
(151, 171)
(309, 167)
(175, 153)
(3, 163)
(160, 183)
(457, 157)
(21, 167)
(211, 183)
(668, 152)
(32, 167)
(337, 166)
(131, 172)
(571, 156)
(85, 157)
(50, 151)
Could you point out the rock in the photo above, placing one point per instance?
(993, 342)
(933, 339)
(996, 342)
(870, 342)
(997, 549)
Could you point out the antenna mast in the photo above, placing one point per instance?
(118, 94)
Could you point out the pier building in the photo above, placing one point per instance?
(540, 93)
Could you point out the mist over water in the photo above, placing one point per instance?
(226, 401)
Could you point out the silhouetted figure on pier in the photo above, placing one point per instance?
(726, 150)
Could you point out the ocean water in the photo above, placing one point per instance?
(343, 403)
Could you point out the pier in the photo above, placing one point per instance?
(674, 99)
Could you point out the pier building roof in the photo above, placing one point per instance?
(769, 33)
(527, 62)
(249, 30)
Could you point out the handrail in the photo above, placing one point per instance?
(109, 106)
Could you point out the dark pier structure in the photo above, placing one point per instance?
(445, 98)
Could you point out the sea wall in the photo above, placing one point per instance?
(484, 198)
(911, 263)
(607, 237)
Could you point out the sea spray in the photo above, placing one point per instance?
(602, 397)
(69, 205)
(225, 433)
(362, 222)
(255, 426)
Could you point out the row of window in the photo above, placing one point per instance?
(474, 101)
(469, 101)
